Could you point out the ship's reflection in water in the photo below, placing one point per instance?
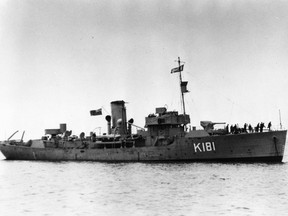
(91, 188)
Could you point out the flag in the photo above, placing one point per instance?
(184, 86)
(177, 69)
(96, 112)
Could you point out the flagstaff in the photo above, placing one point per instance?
(183, 84)
(182, 93)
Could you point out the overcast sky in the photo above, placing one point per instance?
(60, 59)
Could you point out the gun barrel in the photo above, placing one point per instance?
(219, 123)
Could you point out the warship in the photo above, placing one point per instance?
(165, 138)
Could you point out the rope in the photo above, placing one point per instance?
(218, 93)
(275, 143)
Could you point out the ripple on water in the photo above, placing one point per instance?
(70, 188)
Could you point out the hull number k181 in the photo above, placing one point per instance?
(204, 146)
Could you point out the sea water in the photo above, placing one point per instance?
(93, 188)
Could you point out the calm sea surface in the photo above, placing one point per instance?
(92, 188)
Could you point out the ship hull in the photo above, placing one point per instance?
(254, 147)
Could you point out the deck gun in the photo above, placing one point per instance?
(209, 127)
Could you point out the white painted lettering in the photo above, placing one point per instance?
(208, 146)
(203, 147)
(197, 147)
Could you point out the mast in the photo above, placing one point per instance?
(182, 93)
(183, 84)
